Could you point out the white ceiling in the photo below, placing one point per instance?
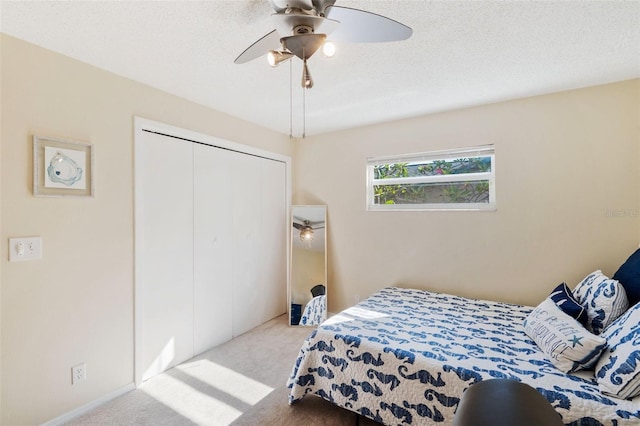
(461, 54)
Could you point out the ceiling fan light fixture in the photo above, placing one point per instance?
(328, 49)
(303, 45)
(276, 57)
(307, 81)
(306, 234)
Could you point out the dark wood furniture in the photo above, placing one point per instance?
(502, 402)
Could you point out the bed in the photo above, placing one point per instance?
(405, 356)
(315, 312)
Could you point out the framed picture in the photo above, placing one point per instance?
(62, 167)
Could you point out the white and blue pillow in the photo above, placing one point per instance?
(565, 342)
(604, 298)
(618, 370)
(563, 297)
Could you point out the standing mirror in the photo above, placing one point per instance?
(308, 290)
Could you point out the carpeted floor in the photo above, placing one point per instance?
(242, 382)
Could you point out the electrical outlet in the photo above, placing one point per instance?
(78, 373)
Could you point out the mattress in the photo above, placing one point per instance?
(405, 356)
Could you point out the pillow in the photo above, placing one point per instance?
(618, 370)
(629, 276)
(563, 297)
(604, 298)
(563, 340)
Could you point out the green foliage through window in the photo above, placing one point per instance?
(442, 182)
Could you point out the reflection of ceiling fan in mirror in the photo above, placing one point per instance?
(306, 228)
(303, 26)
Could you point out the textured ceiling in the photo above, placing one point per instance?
(462, 53)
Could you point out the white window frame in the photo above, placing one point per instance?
(480, 151)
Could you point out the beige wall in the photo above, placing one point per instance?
(2, 237)
(76, 304)
(308, 272)
(564, 163)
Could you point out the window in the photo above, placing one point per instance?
(462, 179)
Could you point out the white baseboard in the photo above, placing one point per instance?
(89, 406)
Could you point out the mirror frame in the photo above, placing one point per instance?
(295, 234)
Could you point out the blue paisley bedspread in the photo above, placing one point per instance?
(405, 357)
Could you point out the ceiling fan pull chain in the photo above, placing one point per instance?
(290, 99)
(304, 96)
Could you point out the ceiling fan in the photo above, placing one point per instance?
(306, 228)
(303, 26)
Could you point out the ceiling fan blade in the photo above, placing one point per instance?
(359, 26)
(297, 225)
(261, 47)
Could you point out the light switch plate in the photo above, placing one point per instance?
(29, 248)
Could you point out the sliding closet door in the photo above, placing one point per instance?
(211, 226)
(274, 239)
(248, 282)
(164, 251)
(260, 247)
(213, 238)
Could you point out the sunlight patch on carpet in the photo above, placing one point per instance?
(190, 403)
(227, 380)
